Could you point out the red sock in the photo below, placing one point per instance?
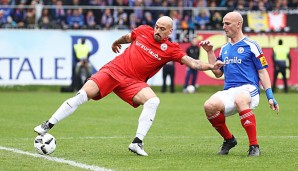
(248, 121)
(218, 121)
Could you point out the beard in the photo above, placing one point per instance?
(157, 37)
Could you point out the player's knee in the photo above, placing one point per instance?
(152, 103)
(209, 105)
(80, 98)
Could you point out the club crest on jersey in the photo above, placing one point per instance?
(163, 46)
(240, 50)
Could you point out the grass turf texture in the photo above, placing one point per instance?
(181, 138)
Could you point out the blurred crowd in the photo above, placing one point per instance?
(126, 14)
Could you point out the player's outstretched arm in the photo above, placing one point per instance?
(116, 46)
(199, 65)
(265, 80)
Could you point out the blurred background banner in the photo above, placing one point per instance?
(266, 41)
(258, 21)
(37, 37)
(44, 57)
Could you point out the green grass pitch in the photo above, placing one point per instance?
(181, 138)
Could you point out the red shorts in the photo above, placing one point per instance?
(124, 87)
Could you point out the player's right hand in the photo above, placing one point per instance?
(206, 45)
(116, 47)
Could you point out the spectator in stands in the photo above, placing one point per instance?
(90, 20)
(120, 3)
(216, 21)
(188, 3)
(58, 14)
(159, 3)
(45, 21)
(107, 20)
(176, 23)
(76, 2)
(187, 23)
(76, 20)
(30, 19)
(97, 2)
(19, 15)
(240, 5)
(230, 4)
(132, 21)
(202, 20)
(252, 6)
(121, 19)
(156, 3)
(283, 4)
(2, 22)
(148, 3)
(201, 3)
(293, 4)
(268, 5)
(148, 20)
(139, 12)
(261, 6)
(10, 23)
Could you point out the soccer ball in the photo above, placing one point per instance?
(190, 89)
(45, 144)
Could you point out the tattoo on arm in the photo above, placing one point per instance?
(199, 65)
(123, 40)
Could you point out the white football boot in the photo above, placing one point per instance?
(43, 128)
(137, 148)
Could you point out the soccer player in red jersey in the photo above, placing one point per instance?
(126, 76)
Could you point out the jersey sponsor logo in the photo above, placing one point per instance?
(163, 46)
(263, 61)
(240, 50)
(148, 50)
(234, 60)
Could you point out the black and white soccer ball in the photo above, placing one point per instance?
(45, 144)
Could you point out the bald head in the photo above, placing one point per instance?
(232, 25)
(165, 20)
(234, 16)
(163, 28)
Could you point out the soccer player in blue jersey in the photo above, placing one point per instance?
(245, 66)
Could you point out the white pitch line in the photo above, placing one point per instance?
(56, 159)
(166, 137)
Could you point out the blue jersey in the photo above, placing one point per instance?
(242, 62)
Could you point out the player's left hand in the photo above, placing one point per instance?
(273, 105)
(218, 64)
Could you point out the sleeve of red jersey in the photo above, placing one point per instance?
(177, 53)
(137, 31)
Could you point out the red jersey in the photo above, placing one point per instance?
(144, 57)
